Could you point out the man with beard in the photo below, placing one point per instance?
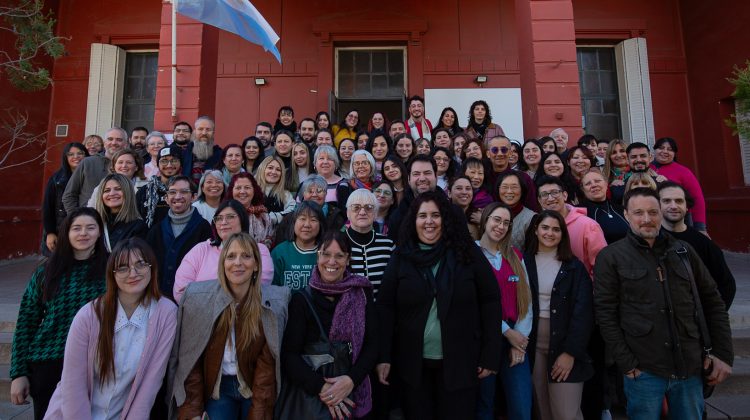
(397, 127)
(263, 131)
(151, 198)
(639, 160)
(177, 233)
(92, 170)
(675, 202)
(138, 141)
(419, 126)
(647, 293)
(307, 131)
(202, 153)
(181, 134)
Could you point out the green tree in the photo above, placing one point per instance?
(740, 120)
(33, 30)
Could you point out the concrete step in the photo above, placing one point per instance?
(735, 407)
(4, 384)
(739, 382)
(741, 342)
(10, 411)
(6, 344)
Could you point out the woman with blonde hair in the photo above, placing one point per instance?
(225, 361)
(115, 203)
(507, 266)
(272, 178)
(616, 162)
(119, 344)
(639, 180)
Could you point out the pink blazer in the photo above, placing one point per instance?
(72, 397)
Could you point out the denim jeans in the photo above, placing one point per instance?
(517, 390)
(231, 405)
(646, 393)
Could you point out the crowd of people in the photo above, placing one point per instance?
(370, 268)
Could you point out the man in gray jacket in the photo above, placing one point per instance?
(92, 170)
(648, 315)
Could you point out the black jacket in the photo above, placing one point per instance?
(470, 328)
(126, 230)
(651, 324)
(571, 316)
(170, 250)
(53, 211)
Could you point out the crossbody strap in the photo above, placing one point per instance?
(308, 298)
(682, 252)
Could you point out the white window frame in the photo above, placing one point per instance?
(336, 63)
(634, 87)
(106, 85)
(744, 147)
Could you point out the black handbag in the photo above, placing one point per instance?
(701, 320)
(328, 358)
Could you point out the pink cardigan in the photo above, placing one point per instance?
(680, 174)
(202, 263)
(586, 237)
(72, 397)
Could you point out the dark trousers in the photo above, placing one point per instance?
(43, 379)
(594, 390)
(431, 400)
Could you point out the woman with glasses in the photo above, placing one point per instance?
(385, 195)
(294, 259)
(226, 360)
(72, 276)
(210, 193)
(348, 128)
(115, 203)
(53, 211)
(119, 344)
(512, 192)
(343, 308)
(363, 170)
(370, 250)
(94, 144)
(510, 273)
(201, 262)
(439, 310)
(155, 141)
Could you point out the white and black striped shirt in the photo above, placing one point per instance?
(370, 255)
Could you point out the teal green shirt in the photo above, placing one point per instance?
(292, 266)
(432, 348)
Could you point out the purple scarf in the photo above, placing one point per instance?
(349, 324)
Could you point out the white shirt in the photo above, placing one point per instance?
(108, 401)
(229, 361)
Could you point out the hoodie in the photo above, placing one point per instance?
(586, 236)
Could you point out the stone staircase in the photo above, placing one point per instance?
(9, 411)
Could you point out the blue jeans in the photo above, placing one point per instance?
(646, 393)
(517, 390)
(231, 405)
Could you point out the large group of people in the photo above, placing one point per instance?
(369, 268)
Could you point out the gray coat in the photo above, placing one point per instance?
(202, 304)
(85, 178)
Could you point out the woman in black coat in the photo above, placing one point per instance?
(53, 211)
(562, 303)
(439, 311)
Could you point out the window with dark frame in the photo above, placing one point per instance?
(140, 90)
(373, 74)
(600, 102)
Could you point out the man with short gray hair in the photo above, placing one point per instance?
(92, 170)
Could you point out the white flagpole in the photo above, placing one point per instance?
(174, 59)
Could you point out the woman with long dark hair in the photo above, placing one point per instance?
(439, 308)
(253, 153)
(348, 128)
(449, 119)
(226, 358)
(322, 121)
(59, 287)
(294, 259)
(379, 147)
(404, 147)
(395, 172)
(377, 124)
(563, 318)
(480, 125)
(53, 212)
(119, 344)
(530, 157)
(510, 273)
(446, 166)
(246, 190)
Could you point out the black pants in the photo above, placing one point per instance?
(431, 400)
(43, 379)
(594, 396)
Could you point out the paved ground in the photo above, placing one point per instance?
(15, 274)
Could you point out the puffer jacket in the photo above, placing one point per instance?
(650, 324)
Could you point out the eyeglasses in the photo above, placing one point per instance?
(173, 193)
(360, 164)
(502, 222)
(384, 193)
(224, 218)
(553, 194)
(510, 188)
(168, 162)
(338, 257)
(503, 150)
(356, 208)
(442, 159)
(315, 191)
(140, 267)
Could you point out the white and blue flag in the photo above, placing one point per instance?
(237, 16)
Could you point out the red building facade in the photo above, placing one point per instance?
(531, 45)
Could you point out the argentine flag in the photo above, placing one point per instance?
(237, 16)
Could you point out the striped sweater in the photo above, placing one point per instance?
(42, 327)
(370, 255)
